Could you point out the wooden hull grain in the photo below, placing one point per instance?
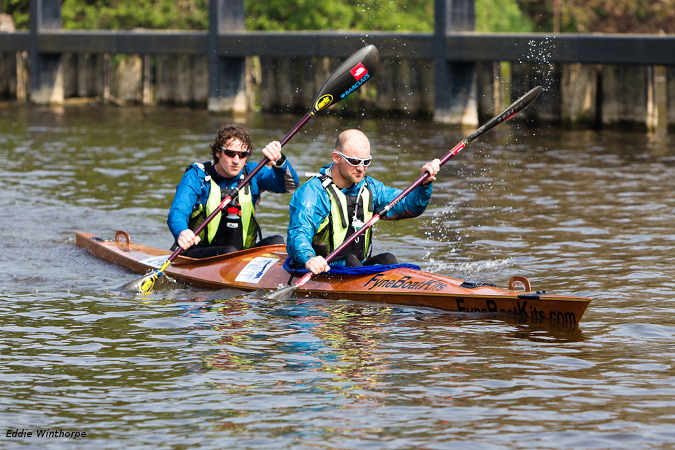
(262, 268)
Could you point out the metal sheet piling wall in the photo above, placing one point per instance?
(453, 74)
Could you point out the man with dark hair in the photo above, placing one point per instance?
(329, 208)
(204, 185)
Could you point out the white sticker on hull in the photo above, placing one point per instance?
(255, 269)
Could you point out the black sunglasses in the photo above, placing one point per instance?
(355, 162)
(233, 153)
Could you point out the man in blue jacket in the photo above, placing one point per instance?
(329, 208)
(204, 185)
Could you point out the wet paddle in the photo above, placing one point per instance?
(347, 78)
(505, 115)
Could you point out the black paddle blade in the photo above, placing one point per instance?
(349, 77)
(513, 109)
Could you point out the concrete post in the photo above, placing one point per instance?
(7, 60)
(148, 97)
(269, 98)
(409, 96)
(579, 93)
(166, 78)
(227, 76)
(83, 75)
(425, 70)
(46, 77)
(69, 63)
(670, 91)
(127, 82)
(490, 101)
(200, 80)
(253, 77)
(284, 88)
(385, 82)
(182, 90)
(455, 84)
(107, 78)
(624, 94)
(657, 100)
(5, 75)
(303, 85)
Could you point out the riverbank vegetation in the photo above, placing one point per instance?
(615, 16)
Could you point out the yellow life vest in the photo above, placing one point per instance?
(249, 226)
(333, 230)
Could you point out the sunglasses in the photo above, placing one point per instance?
(355, 162)
(233, 153)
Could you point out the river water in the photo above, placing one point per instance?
(580, 212)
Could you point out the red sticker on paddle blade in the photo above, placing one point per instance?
(358, 71)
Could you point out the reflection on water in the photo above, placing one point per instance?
(582, 212)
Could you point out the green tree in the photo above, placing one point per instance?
(619, 16)
(375, 15)
(366, 15)
(501, 16)
(128, 14)
(603, 16)
(19, 10)
(278, 15)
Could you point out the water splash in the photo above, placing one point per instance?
(467, 269)
(540, 55)
(441, 228)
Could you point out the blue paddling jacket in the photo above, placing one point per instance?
(195, 186)
(311, 205)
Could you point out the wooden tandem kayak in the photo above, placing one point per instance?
(262, 267)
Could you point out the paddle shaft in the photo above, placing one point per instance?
(505, 115)
(228, 198)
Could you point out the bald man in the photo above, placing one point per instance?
(331, 207)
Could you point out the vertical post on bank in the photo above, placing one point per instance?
(227, 75)
(455, 83)
(46, 69)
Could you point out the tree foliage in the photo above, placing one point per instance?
(603, 16)
(375, 15)
(501, 16)
(277, 15)
(19, 10)
(620, 16)
(128, 14)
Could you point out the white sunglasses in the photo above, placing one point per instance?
(355, 162)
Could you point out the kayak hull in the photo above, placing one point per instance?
(262, 268)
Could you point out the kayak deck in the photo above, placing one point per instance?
(262, 268)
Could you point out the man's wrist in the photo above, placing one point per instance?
(279, 163)
(307, 257)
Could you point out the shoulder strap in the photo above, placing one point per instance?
(370, 196)
(328, 185)
(243, 175)
(205, 166)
